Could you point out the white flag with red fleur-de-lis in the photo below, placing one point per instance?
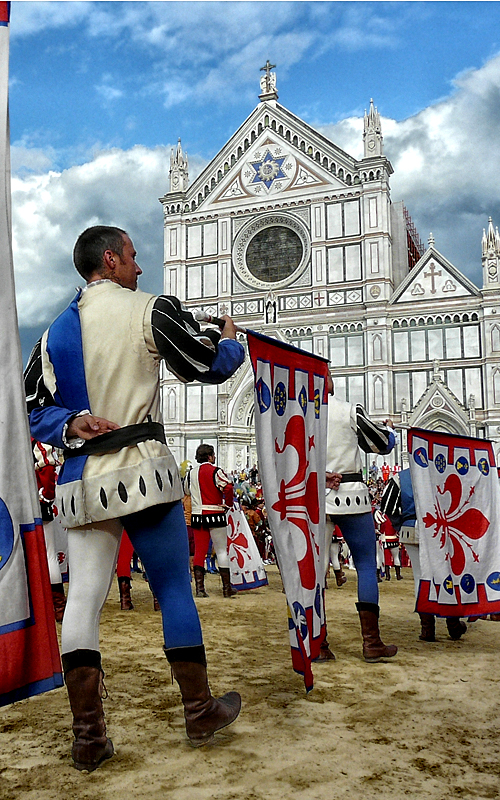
(291, 405)
(457, 499)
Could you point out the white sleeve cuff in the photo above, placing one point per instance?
(73, 444)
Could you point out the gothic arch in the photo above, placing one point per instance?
(242, 407)
(443, 421)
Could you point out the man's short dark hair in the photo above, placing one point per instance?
(203, 453)
(91, 245)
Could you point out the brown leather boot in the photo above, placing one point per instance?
(204, 714)
(199, 580)
(325, 654)
(125, 598)
(340, 577)
(227, 589)
(456, 628)
(399, 577)
(388, 573)
(58, 600)
(373, 647)
(91, 746)
(428, 627)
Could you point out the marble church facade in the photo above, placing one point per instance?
(294, 238)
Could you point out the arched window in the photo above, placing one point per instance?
(172, 404)
(378, 392)
(495, 338)
(496, 387)
(377, 347)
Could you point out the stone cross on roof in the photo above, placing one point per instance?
(268, 82)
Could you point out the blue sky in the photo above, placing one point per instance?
(101, 91)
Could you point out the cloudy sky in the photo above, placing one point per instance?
(101, 91)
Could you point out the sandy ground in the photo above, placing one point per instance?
(424, 725)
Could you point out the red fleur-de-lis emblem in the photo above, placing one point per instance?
(455, 526)
(298, 499)
(239, 542)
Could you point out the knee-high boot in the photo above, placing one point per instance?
(59, 600)
(373, 647)
(325, 654)
(227, 589)
(388, 573)
(340, 577)
(428, 627)
(399, 577)
(125, 598)
(199, 580)
(83, 677)
(204, 714)
(456, 628)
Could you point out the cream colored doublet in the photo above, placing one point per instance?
(122, 369)
(343, 455)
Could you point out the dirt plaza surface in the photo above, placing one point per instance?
(424, 725)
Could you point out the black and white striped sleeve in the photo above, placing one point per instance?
(187, 351)
(37, 394)
(373, 437)
(390, 502)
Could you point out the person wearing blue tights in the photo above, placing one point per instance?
(93, 390)
(348, 506)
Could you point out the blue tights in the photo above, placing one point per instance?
(359, 532)
(160, 539)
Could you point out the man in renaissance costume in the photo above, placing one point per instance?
(92, 385)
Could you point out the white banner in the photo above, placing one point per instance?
(457, 499)
(290, 428)
(245, 562)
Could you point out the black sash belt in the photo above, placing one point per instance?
(114, 440)
(352, 477)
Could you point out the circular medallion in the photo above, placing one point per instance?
(273, 249)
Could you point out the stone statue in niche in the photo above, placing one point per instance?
(271, 306)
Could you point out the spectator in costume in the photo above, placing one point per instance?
(390, 541)
(46, 464)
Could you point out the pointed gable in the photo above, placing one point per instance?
(272, 154)
(434, 278)
(439, 409)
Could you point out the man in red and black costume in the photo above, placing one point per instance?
(211, 493)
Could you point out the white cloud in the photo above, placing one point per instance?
(28, 18)
(109, 93)
(49, 211)
(25, 158)
(445, 163)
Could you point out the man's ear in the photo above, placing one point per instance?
(109, 260)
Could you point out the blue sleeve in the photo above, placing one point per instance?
(391, 443)
(230, 355)
(47, 424)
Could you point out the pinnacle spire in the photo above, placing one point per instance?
(372, 132)
(490, 247)
(490, 243)
(179, 178)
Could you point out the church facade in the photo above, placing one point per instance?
(294, 238)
